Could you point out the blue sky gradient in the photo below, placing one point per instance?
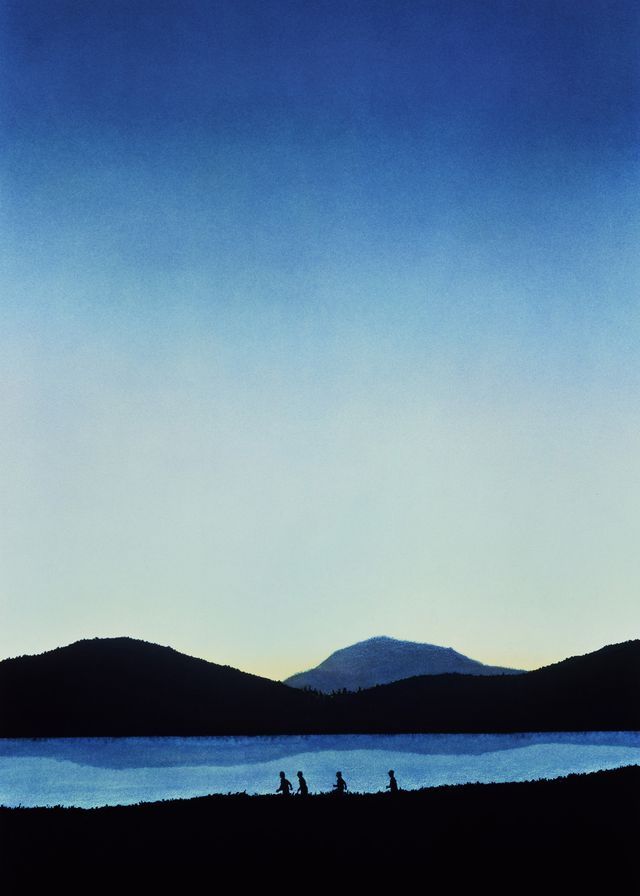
(320, 320)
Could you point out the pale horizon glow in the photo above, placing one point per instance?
(278, 671)
(319, 324)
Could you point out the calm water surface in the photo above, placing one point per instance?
(92, 772)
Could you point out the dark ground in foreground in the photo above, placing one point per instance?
(574, 829)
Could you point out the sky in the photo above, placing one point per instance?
(319, 321)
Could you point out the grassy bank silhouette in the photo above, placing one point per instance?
(569, 822)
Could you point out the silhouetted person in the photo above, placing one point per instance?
(341, 785)
(285, 786)
(392, 786)
(303, 790)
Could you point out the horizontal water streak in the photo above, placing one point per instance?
(90, 772)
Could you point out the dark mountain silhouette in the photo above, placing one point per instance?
(597, 691)
(382, 660)
(123, 686)
(120, 686)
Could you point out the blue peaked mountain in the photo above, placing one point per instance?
(122, 687)
(382, 660)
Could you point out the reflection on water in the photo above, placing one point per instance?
(107, 771)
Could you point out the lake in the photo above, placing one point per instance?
(89, 772)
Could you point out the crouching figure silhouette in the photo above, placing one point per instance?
(341, 785)
(285, 787)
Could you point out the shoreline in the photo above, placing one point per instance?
(403, 793)
(581, 818)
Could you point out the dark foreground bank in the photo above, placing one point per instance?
(576, 826)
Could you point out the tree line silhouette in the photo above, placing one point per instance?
(122, 687)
